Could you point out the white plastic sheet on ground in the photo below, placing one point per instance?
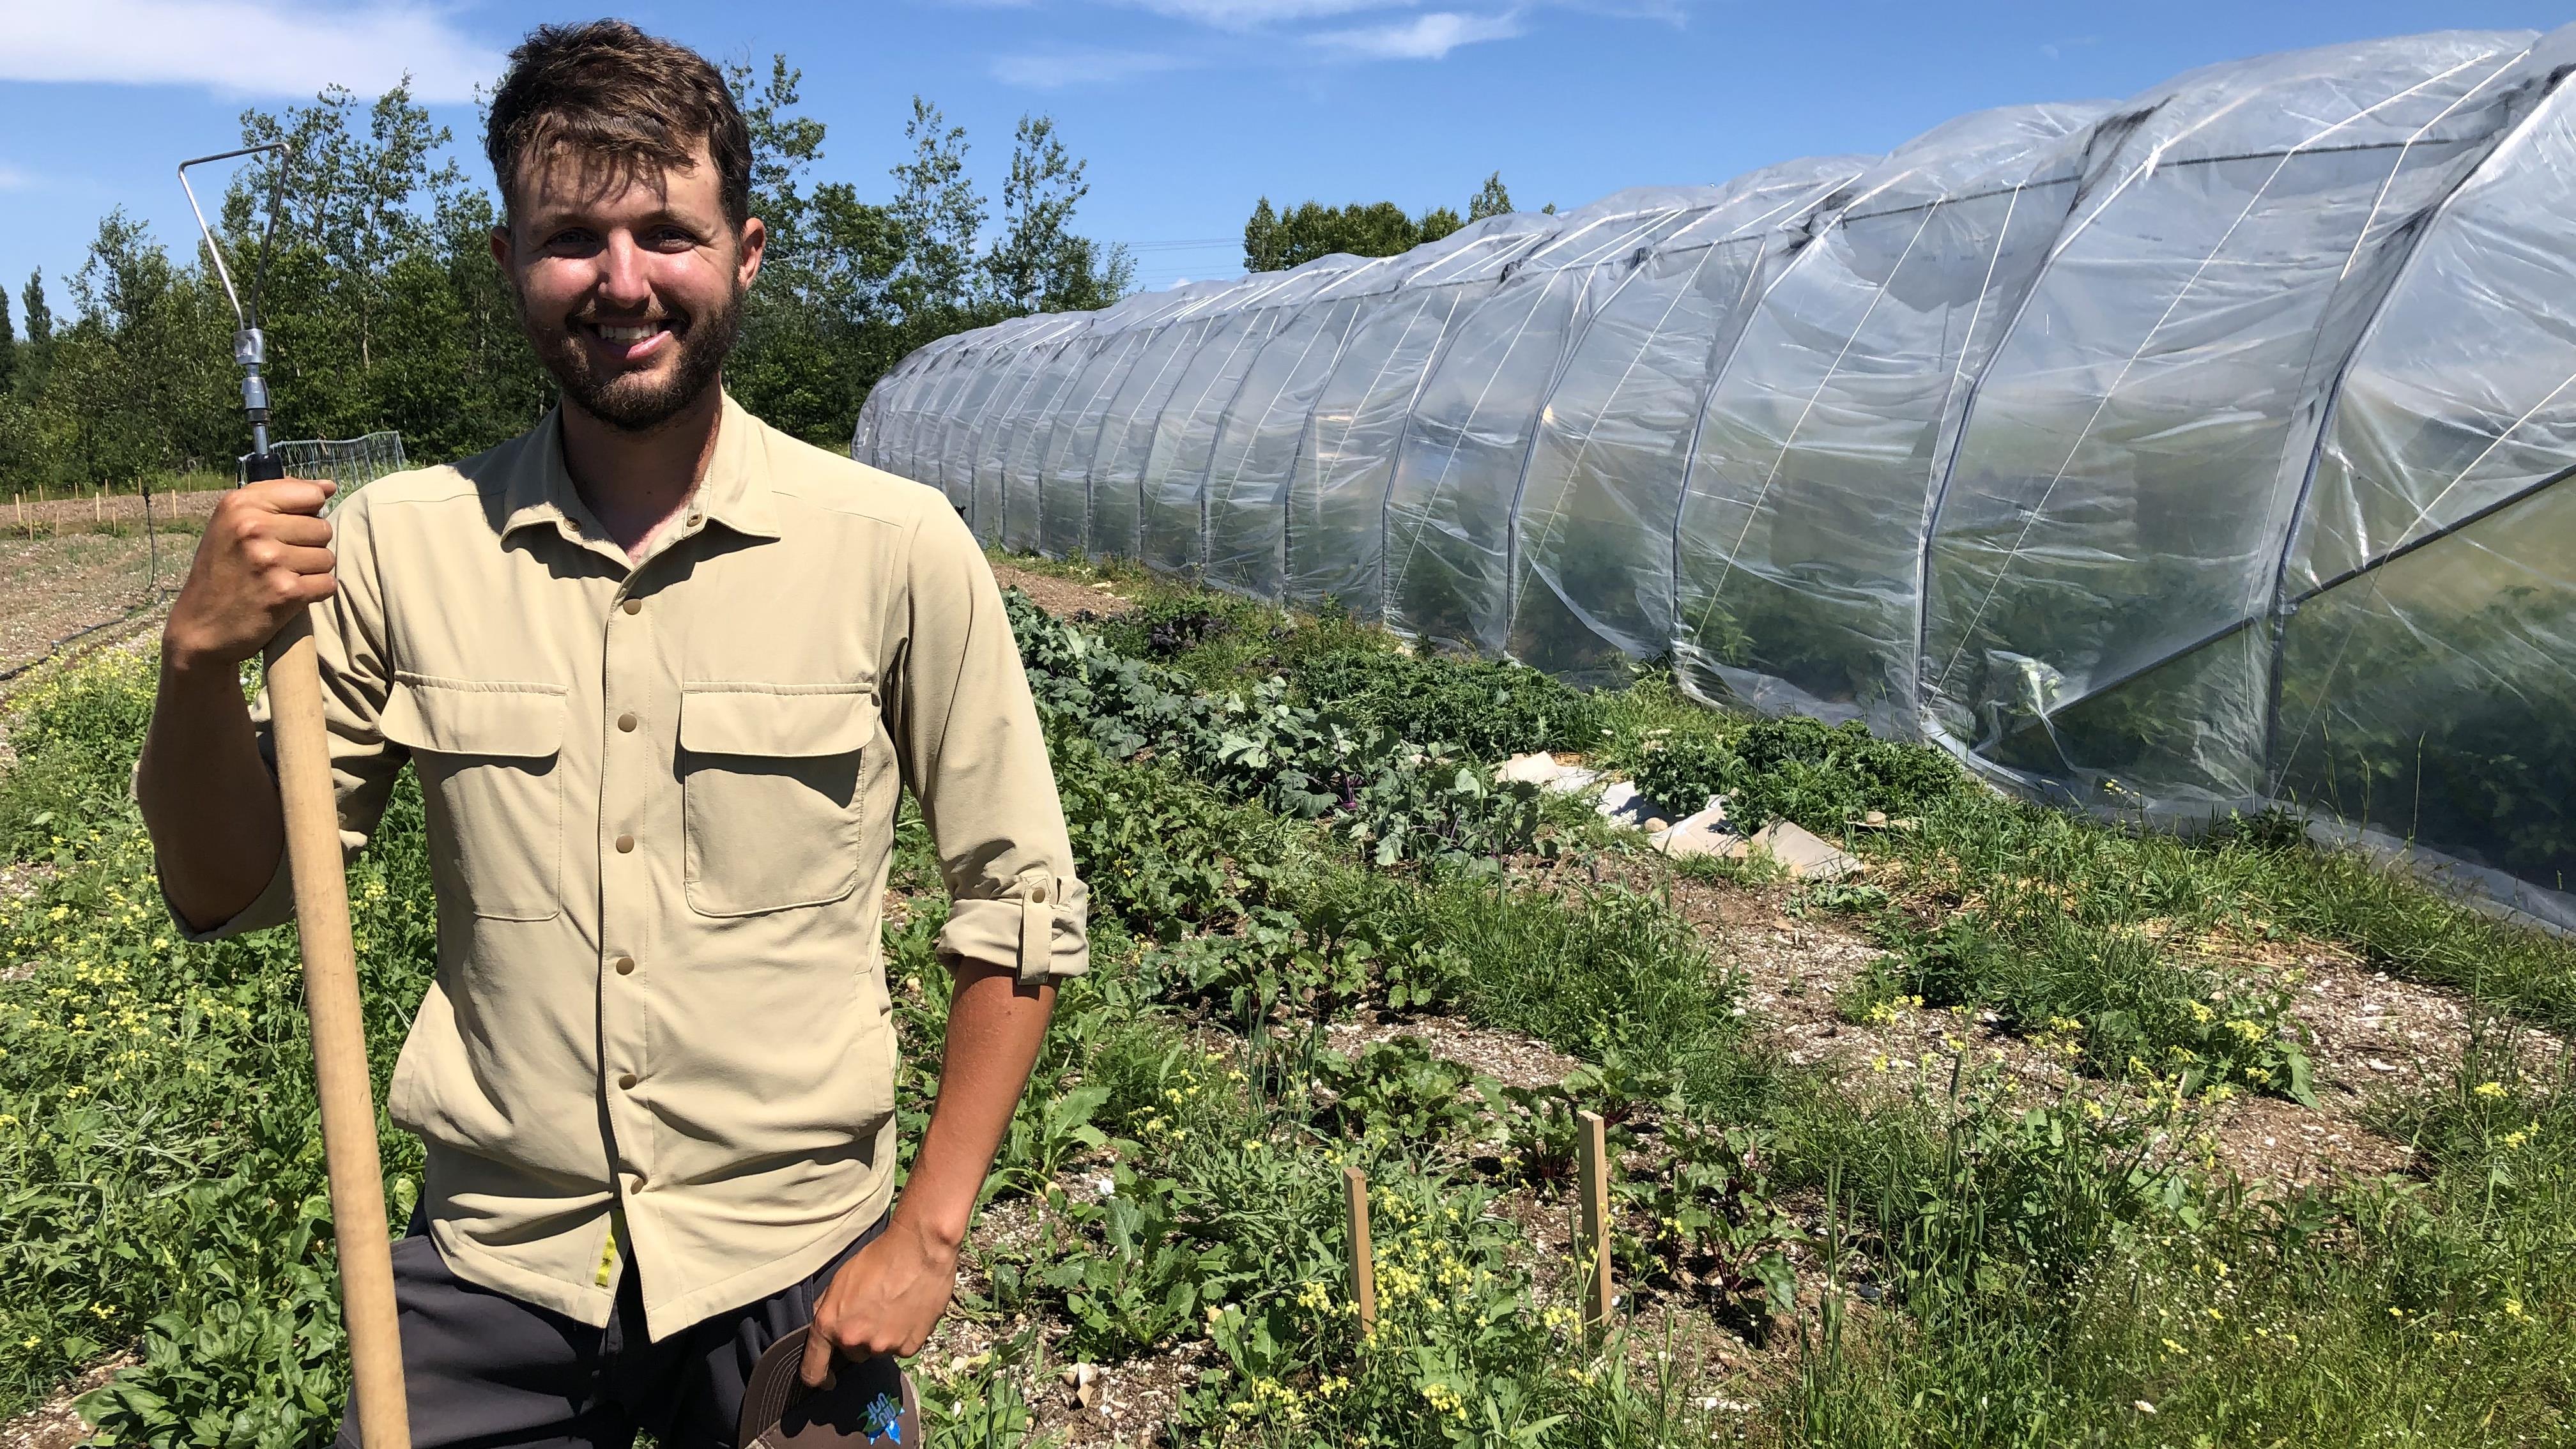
(2178, 455)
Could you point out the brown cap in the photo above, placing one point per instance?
(866, 1403)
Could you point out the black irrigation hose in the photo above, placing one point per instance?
(54, 650)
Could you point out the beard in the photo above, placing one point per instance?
(634, 402)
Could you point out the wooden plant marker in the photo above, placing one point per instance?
(1355, 1217)
(1592, 1143)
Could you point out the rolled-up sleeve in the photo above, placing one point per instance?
(975, 757)
(348, 635)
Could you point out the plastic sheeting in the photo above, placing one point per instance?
(1606, 463)
(1337, 489)
(2130, 467)
(2170, 456)
(1171, 489)
(1801, 526)
(1457, 471)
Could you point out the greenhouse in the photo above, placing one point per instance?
(2173, 456)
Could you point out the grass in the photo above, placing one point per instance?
(1969, 1262)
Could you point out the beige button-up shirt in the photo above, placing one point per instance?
(661, 810)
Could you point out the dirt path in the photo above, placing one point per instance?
(2371, 1036)
(1063, 598)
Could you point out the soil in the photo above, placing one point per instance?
(2371, 1036)
(64, 572)
(55, 1424)
(1507, 1057)
(1061, 597)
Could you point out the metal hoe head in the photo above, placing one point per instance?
(250, 346)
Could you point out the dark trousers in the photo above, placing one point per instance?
(482, 1370)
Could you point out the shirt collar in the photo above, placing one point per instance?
(733, 492)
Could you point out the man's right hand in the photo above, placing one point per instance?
(266, 553)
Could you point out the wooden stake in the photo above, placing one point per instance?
(1355, 1215)
(1592, 1139)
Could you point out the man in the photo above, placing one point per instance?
(663, 673)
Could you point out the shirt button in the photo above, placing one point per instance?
(626, 845)
(633, 606)
(626, 1081)
(1038, 894)
(625, 965)
(626, 722)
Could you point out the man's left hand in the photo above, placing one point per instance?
(885, 1299)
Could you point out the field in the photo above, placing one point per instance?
(2037, 1131)
(74, 564)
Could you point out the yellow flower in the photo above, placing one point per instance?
(2491, 1090)
(2513, 1308)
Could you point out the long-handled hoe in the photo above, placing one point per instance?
(322, 915)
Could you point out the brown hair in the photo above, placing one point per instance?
(622, 98)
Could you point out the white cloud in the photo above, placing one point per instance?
(240, 47)
(1052, 69)
(14, 178)
(1424, 37)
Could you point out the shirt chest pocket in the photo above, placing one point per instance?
(489, 756)
(769, 793)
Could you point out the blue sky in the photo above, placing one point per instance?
(1185, 109)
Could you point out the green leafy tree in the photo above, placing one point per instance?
(38, 352)
(940, 216)
(1491, 199)
(1275, 241)
(128, 367)
(1040, 265)
(8, 347)
(354, 192)
(1261, 238)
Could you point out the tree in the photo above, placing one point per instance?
(1261, 238)
(1040, 265)
(35, 357)
(8, 347)
(940, 216)
(354, 197)
(1275, 241)
(1491, 199)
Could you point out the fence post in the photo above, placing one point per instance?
(1355, 1217)
(1592, 1140)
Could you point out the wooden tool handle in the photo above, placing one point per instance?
(339, 1036)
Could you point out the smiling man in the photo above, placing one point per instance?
(664, 674)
